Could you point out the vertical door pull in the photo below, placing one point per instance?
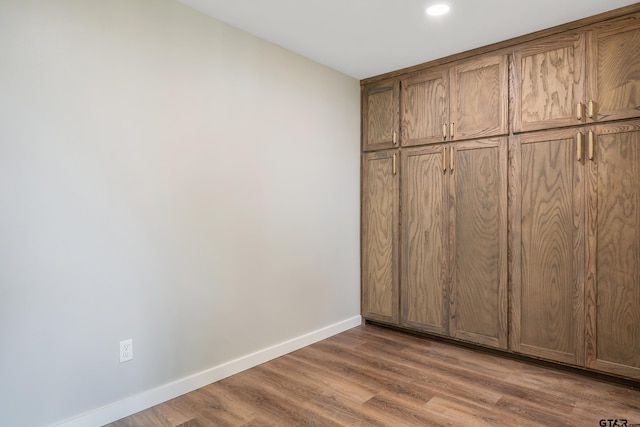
(451, 133)
(579, 146)
(394, 165)
(451, 160)
(395, 137)
(592, 109)
(591, 138)
(580, 111)
(444, 131)
(444, 159)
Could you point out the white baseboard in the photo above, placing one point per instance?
(149, 398)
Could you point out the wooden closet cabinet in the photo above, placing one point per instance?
(559, 279)
(576, 238)
(454, 242)
(578, 77)
(380, 222)
(468, 100)
(380, 115)
(613, 70)
(613, 248)
(547, 244)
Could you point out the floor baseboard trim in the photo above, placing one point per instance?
(149, 398)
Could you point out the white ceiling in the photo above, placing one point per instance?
(364, 38)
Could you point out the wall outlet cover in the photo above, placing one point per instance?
(126, 350)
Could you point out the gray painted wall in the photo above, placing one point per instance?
(167, 178)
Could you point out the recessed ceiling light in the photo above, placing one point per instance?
(438, 9)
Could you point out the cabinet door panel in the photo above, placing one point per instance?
(424, 244)
(380, 115)
(479, 215)
(380, 212)
(425, 108)
(479, 100)
(548, 83)
(614, 250)
(614, 74)
(548, 244)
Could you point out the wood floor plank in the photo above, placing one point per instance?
(319, 374)
(374, 376)
(272, 402)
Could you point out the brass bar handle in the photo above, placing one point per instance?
(444, 131)
(395, 137)
(580, 111)
(394, 165)
(591, 142)
(592, 109)
(579, 146)
(451, 133)
(444, 159)
(451, 159)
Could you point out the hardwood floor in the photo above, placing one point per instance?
(373, 376)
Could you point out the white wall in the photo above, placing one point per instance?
(167, 178)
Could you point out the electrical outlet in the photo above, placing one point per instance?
(126, 350)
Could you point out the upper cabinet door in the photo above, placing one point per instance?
(380, 115)
(425, 108)
(479, 98)
(548, 83)
(614, 70)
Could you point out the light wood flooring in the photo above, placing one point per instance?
(373, 376)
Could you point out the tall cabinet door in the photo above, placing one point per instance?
(478, 213)
(380, 215)
(548, 245)
(424, 239)
(614, 70)
(425, 108)
(549, 83)
(380, 115)
(613, 260)
(479, 98)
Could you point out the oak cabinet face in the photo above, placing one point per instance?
(468, 100)
(501, 197)
(380, 211)
(586, 77)
(479, 98)
(613, 291)
(454, 250)
(478, 266)
(380, 115)
(548, 246)
(425, 253)
(576, 238)
(425, 108)
(549, 83)
(614, 73)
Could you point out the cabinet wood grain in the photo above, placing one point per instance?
(380, 214)
(613, 286)
(614, 69)
(548, 247)
(424, 239)
(380, 115)
(425, 108)
(468, 100)
(479, 100)
(478, 206)
(548, 82)
(518, 202)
